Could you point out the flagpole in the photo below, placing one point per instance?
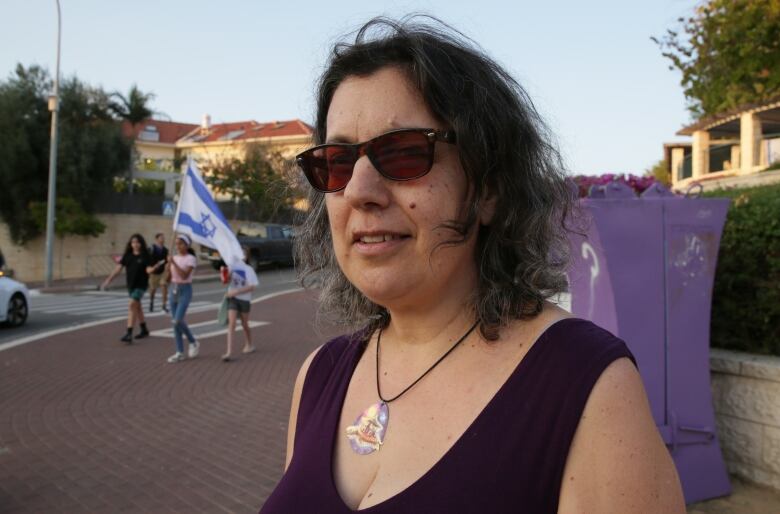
(178, 208)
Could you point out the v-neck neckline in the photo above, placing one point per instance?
(513, 376)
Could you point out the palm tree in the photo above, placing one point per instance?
(133, 108)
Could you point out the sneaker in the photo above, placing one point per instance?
(176, 357)
(165, 308)
(142, 334)
(193, 350)
(249, 349)
(127, 338)
(226, 358)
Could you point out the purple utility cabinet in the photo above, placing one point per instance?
(645, 272)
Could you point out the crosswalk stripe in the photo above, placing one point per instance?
(78, 303)
(96, 308)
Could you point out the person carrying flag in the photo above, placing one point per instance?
(199, 218)
(243, 281)
(182, 265)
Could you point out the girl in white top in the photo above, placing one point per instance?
(243, 281)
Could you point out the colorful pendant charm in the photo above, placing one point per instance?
(368, 433)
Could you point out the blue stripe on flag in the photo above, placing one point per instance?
(205, 196)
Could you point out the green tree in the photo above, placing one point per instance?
(660, 171)
(257, 177)
(728, 52)
(91, 149)
(71, 218)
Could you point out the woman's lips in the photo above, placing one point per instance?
(378, 243)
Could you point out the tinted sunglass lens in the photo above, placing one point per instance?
(402, 155)
(340, 162)
(315, 167)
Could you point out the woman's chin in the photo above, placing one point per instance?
(387, 292)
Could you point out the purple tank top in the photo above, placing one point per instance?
(510, 459)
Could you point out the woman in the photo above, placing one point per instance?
(437, 222)
(138, 263)
(182, 266)
(243, 281)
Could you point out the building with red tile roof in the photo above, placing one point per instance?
(159, 144)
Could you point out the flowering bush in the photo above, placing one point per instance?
(638, 184)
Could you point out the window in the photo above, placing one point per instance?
(149, 133)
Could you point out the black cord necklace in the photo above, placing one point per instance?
(367, 434)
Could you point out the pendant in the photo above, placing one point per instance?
(367, 434)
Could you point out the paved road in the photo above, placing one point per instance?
(51, 312)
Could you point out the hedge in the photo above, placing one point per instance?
(746, 297)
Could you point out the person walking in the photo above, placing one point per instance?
(243, 281)
(159, 276)
(182, 265)
(138, 263)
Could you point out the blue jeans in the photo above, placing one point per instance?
(179, 299)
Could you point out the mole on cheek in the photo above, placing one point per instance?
(412, 205)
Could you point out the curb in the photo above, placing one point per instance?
(94, 287)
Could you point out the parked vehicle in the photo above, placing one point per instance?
(267, 243)
(14, 301)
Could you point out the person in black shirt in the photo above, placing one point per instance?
(138, 263)
(159, 276)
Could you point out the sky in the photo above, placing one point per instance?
(590, 67)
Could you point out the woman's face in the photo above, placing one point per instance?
(181, 246)
(385, 232)
(135, 244)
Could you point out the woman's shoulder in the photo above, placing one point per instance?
(329, 364)
(579, 341)
(337, 350)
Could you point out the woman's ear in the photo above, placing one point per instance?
(487, 207)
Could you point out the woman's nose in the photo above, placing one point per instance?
(366, 188)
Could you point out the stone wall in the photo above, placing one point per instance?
(746, 396)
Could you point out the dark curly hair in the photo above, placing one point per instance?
(129, 246)
(504, 148)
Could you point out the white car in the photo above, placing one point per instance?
(14, 302)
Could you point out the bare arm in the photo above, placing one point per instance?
(117, 270)
(617, 462)
(296, 399)
(150, 269)
(235, 292)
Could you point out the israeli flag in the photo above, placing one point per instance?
(198, 216)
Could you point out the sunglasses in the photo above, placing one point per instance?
(404, 154)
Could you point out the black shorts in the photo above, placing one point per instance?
(242, 306)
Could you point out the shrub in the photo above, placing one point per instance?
(746, 298)
(638, 184)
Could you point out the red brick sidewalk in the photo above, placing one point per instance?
(90, 425)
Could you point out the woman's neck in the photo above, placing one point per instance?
(435, 322)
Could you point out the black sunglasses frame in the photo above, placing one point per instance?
(360, 149)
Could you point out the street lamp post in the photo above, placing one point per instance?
(54, 107)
